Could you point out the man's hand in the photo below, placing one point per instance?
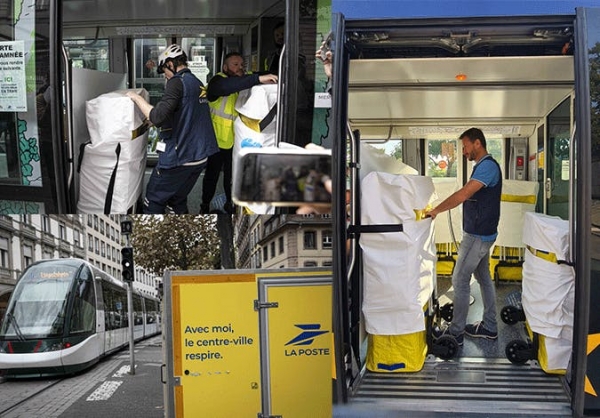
(268, 79)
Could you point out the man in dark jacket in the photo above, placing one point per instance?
(481, 212)
(222, 93)
(186, 134)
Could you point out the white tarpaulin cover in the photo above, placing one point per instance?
(518, 198)
(112, 118)
(398, 266)
(375, 159)
(548, 287)
(254, 105)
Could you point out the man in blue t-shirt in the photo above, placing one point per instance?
(481, 212)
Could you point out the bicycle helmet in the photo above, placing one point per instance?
(170, 53)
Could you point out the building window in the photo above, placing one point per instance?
(310, 264)
(62, 232)
(265, 254)
(97, 245)
(102, 226)
(327, 263)
(327, 239)
(103, 252)
(46, 223)
(272, 249)
(310, 240)
(281, 245)
(90, 243)
(96, 222)
(89, 220)
(76, 238)
(48, 254)
(27, 255)
(4, 252)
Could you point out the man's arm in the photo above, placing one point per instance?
(165, 107)
(457, 198)
(168, 103)
(224, 86)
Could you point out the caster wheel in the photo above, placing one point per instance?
(446, 347)
(518, 351)
(447, 312)
(511, 315)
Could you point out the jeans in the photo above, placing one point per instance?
(473, 259)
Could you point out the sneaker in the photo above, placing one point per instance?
(477, 330)
(438, 332)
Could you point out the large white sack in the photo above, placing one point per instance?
(398, 267)
(112, 117)
(548, 294)
(548, 287)
(374, 159)
(558, 350)
(518, 198)
(255, 104)
(97, 166)
(547, 233)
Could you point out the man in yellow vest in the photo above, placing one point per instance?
(222, 93)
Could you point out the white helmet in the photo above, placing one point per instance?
(171, 52)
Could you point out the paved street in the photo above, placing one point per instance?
(106, 390)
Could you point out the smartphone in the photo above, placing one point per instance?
(283, 178)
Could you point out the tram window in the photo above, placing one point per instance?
(392, 147)
(201, 56)
(146, 53)
(90, 54)
(83, 317)
(442, 158)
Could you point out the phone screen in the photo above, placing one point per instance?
(283, 179)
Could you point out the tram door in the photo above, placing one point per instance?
(557, 165)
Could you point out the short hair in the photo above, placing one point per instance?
(278, 25)
(232, 54)
(472, 134)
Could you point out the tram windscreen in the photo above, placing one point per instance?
(38, 304)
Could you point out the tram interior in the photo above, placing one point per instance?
(111, 45)
(413, 88)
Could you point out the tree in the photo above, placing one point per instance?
(175, 242)
(225, 230)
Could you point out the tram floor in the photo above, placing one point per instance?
(481, 347)
(478, 382)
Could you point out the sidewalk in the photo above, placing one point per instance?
(105, 390)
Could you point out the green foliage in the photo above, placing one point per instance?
(175, 242)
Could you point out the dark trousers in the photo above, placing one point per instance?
(216, 162)
(171, 188)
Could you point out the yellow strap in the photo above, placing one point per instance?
(253, 124)
(519, 199)
(544, 255)
(140, 129)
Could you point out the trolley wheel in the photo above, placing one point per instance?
(445, 347)
(511, 315)
(447, 312)
(518, 351)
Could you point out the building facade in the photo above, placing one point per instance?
(284, 241)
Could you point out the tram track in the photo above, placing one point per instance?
(13, 404)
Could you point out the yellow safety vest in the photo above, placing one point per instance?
(223, 113)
